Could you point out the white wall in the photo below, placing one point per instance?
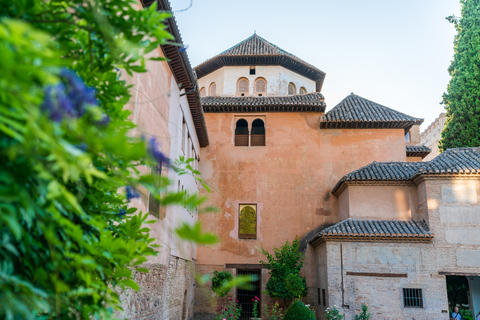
(277, 77)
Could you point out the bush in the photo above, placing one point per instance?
(332, 313)
(295, 285)
(364, 315)
(230, 312)
(218, 283)
(299, 311)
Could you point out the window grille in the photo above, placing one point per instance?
(245, 296)
(203, 92)
(412, 298)
(260, 85)
(303, 90)
(247, 221)
(292, 89)
(213, 89)
(243, 86)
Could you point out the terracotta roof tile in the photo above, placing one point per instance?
(357, 112)
(377, 228)
(295, 103)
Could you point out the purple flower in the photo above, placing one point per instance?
(158, 155)
(132, 193)
(56, 102)
(122, 213)
(104, 122)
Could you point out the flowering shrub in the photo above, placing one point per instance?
(255, 307)
(68, 238)
(230, 312)
(332, 313)
(364, 315)
(275, 312)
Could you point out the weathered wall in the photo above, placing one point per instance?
(378, 202)
(383, 294)
(432, 135)
(277, 78)
(289, 179)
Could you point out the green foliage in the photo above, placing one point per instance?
(295, 285)
(256, 301)
(220, 282)
(230, 312)
(332, 313)
(68, 239)
(284, 261)
(364, 315)
(275, 312)
(299, 311)
(462, 99)
(457, 290)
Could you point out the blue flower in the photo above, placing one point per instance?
(158, 155)
(132, 193)
(122, 213)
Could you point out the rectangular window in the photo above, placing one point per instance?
(407, 137)
(252, 70)
(153, 203)
(412, 298)
(324, 297)
(318, 296)
(184, 134)
(247, 221)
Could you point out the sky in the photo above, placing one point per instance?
(393, 52)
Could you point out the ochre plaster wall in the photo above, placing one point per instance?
(378, 202)
(414, 159)
(277, 78)
(290, 179)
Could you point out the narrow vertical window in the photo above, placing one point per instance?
(242, 86)
(212, 89)
(241, 133)
(260, 86)
(153, 203)
(303, 90)
(184, 133)
(258, 133)
(203, 92)
(292, 89)
(407, 137)
(324, 298)
(252, 70)
(247, 228)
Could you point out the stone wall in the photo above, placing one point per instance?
(165, 293)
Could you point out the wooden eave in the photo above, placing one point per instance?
(372, 238)
(285, 61)
(182, 72)
(346, 124)
(422, 154)
(273, 108)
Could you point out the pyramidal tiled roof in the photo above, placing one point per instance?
(452, 161)
(311, 102)
(359, 228)
(255, 50)
(357, 112)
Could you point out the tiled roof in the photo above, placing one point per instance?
(418, 151)
(257, 51)
(452, 161)
(397, 229)
(455, 160)
(313, 102)
(357, 112)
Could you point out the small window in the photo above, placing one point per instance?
(241, 133)
(324, 298)
(412, 298)
(247, 221)
(242, 86)
(184, 133)
(407, 137)
(303, 90)
(318, 296)
(292, 89)
(260, 85)
(213, 89)
(203, 92)
(252, 70)
(258, 133)
(153, 203)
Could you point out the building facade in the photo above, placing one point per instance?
(432, 135)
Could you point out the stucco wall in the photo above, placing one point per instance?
(378, 202)
(277, 78)
(432, 135)
(290, 180)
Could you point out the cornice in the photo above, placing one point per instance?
(345, 184)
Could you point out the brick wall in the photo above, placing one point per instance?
(166, 292)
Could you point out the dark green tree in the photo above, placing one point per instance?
(284, 261)
(462, 99)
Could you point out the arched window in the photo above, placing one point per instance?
(292, 89)
(213, 89)
(260, 86)
(203, 92)
(242, 86)
(258, 133)
(241, 133)
(303, 90)
(247, 226)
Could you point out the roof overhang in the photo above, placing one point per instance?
(345, 124)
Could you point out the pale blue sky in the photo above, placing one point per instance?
(394, 52)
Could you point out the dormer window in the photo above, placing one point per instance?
(260, 86)
(292, 89)
(242, 87)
